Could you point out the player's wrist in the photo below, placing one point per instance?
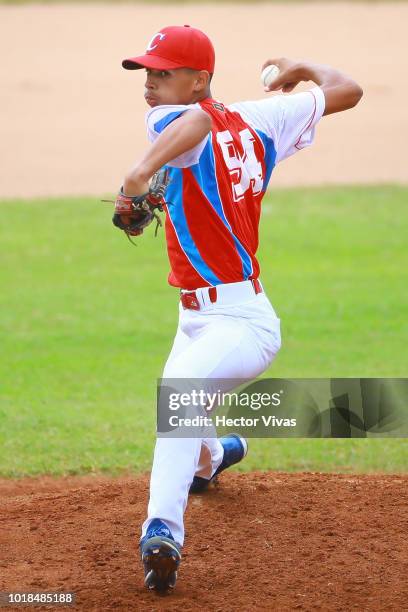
(136, 182)
(318, 73)
(307, 71)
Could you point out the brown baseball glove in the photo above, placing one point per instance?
(134, 213)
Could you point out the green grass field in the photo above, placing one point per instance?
(87, 321)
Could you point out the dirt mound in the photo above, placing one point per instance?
(257, 542)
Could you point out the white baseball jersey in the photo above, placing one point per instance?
(214, 197)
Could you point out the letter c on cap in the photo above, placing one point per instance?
(151, 46)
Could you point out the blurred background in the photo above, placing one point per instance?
(72, 119)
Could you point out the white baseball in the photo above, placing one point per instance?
(269, 74)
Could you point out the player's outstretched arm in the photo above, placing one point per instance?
(180, 136)
(340, 91)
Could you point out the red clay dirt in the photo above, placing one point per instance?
(260, 541)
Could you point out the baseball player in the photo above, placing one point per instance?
(219, 160)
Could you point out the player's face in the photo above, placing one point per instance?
(180, 86)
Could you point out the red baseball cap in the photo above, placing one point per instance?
(176, 47)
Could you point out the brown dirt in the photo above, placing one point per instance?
(73, 119)
(259, 542)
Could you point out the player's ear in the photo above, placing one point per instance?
(202, 80)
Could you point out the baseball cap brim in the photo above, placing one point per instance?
(150, 61)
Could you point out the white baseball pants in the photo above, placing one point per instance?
(238, 337)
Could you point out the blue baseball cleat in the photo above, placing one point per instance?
(161, 557)
(235, 449)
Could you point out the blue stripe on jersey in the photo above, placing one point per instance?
(270, 156)
(204, 173)
(163, 123)
(174, 199)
